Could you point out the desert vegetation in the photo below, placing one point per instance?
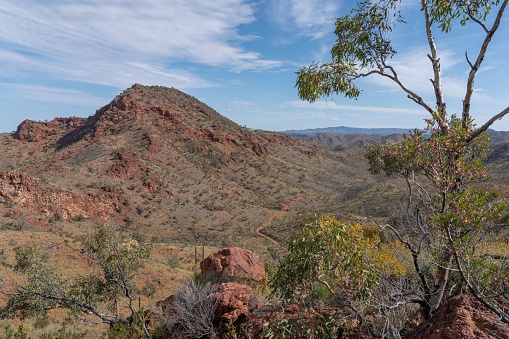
(104, 218)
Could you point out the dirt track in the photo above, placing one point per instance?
(271, 218)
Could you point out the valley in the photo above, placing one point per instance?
(168, 170)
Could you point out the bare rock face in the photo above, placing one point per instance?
(34, 131)
(28, 191)
(232, 304)
(234, 264)
(461, 317)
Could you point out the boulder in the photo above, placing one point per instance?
(232, 304)
(233, 264)
(461, 317)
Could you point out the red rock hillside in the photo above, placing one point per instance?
(169, 167)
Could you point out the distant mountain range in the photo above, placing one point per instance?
(497, 136)
(347, 130)
(343, 136)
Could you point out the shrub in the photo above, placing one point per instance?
(190, 313)
(317, 326)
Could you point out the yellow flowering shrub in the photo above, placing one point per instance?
(338, 255)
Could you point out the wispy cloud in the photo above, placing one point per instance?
(52, 94)
(329, 105)
(313, 18)
(113, 42)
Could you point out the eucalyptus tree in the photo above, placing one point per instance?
(104, 294)
(448, 216)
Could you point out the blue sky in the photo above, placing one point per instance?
(62, 58)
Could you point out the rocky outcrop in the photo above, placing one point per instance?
(33, 131)
(235, 264)
(25, 190)
(127, 165)
(232, 304)
(461, 317)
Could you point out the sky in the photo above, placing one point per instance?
(61, 58)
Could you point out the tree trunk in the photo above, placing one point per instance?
(442, 280)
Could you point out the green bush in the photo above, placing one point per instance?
(317, 326)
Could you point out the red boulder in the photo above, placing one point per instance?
(233, 264)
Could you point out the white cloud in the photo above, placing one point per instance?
(415, 71)
(314, 18)
(113, 42)
(246, 106)
(53, 94)
(330, 105)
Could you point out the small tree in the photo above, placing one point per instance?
(106, 293)
(447, 216)
(340, 257)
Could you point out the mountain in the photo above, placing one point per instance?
(169, 167)
(341, 130)
(342, 138)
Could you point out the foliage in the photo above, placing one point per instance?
(317, 326)
(448, 215)
(105, 293)
(10, 333)
(135, 330)
(20, 333)
(230, 332)
(448, 211)
(446, 12)
(336, 255)
(362, 43)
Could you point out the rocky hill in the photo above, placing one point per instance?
(169, 167)
(166, 168)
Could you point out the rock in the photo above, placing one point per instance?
(232, 304)
(34, 131)
(24, 190)
(461, 317)
(127, 165)
(234, 264)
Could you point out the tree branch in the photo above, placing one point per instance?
(106, 318)
(503, 316)
(415, 256)
(411, 95)
(495, 256)
(468, 60)
(435, 61)
(475, 67)
(474, 19)
(475, 133)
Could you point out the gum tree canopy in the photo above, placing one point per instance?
(448, 217)
(363, 48)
